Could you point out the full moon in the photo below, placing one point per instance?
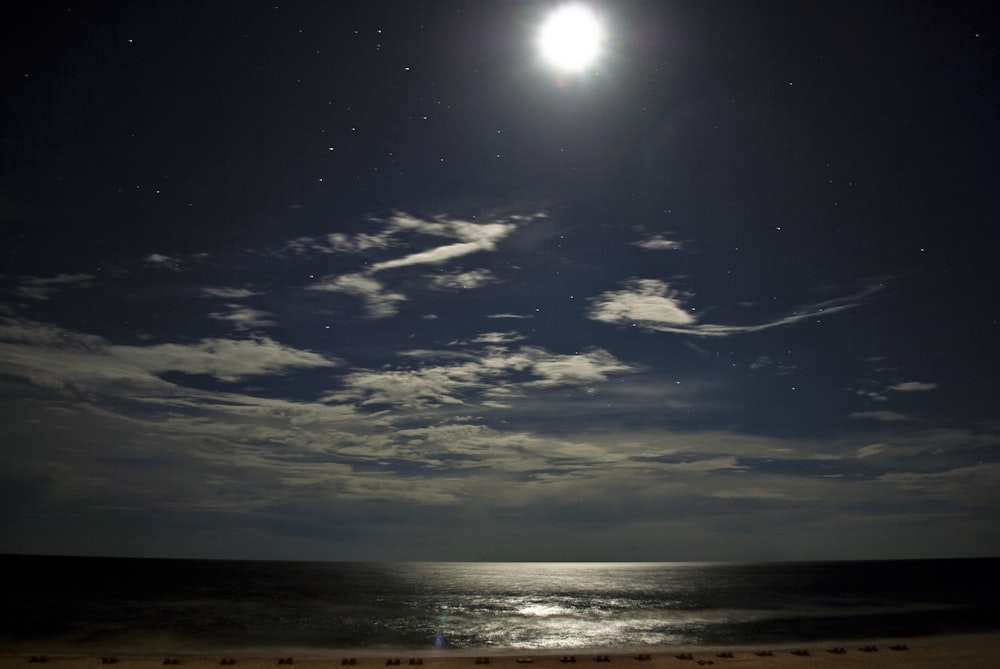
(571, 38)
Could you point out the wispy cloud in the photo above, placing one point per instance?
(227, 293)
(399, 229)
(477, 237)
(176, 263)
(912, 387)
(223, 359)
(474, 376)
(872, 449)
(752, 493)
(881, 416)
(43, 288)
(658, 243)
(769, 363)
(974, 485)
(498, 338)
(468, 280)
(53, 357)
(877, 391)
(379, 301)
(721, 463)
(243, 317)
(163, 261)
(593, 366)
(46, 335)
(652, 304)
(339, 242)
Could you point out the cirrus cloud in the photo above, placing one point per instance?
(653, 304)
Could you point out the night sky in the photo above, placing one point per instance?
(317, 280)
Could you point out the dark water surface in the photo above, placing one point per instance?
(104, 604)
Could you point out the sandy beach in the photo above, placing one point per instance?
(981, 651)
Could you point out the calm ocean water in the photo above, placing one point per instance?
(122, 605)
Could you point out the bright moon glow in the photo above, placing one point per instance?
(571, 38)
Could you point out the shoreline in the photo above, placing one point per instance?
(973, 651)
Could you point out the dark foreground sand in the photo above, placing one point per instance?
(981, 651)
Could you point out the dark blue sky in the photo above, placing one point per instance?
(309, 281)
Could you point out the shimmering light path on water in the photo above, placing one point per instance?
(91, 603)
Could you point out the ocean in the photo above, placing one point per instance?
(98, 605)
